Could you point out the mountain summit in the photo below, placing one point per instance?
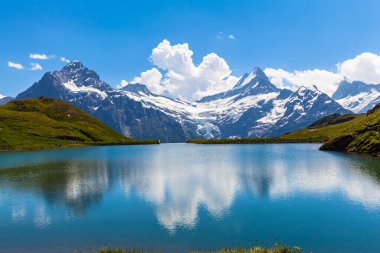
(253, 83)
(357, 96)
(254, 107)
(256, 73)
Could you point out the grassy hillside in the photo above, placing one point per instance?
(327, 131)
(333, 120)
(48, 123)
(362, 135)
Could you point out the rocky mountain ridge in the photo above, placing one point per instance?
(254, 107)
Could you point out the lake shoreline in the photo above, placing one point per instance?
(274, 141)
(253, 141)
(81, 145)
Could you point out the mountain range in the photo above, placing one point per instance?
(254, 107)
(357, 96)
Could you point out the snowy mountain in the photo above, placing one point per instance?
(82, 87)
(254, 107)
(357, 96)
(4, 99)
(257, 108)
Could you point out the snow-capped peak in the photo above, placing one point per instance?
(73, 66)
(254, 83)
(1, 96)
(137, 88)
(357, 96)
(247, 78)
(258, 72)
(303, 90)
(76, 70)
(76, 64)
(77, 73)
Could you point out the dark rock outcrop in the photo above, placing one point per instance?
(338, 144)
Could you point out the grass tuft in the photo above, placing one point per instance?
(275, 249)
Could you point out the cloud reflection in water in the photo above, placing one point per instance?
(180, 179)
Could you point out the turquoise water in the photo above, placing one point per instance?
(180, 197)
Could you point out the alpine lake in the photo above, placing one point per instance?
(183, 197)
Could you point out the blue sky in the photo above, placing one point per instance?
(116, 38)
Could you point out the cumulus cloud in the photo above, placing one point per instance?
(176, 75)
(39, 56)
(186, 80)
(15, 65)
(364, 67)
(152, 79)
(35, 66)
(231, 37)
(64, 59)
(326, 81)
(122, 84)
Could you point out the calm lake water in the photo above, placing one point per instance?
(180, 197)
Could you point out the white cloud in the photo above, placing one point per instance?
(122, 84)
(364, 67)
(186, 80)
(152, 79)
(63, 59)
(326, 81)
(222, 35)
(39, 56)
(15, 65)
(176, 74)
(35, 66)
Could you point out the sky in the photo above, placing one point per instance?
(189, 49)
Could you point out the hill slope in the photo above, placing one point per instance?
(49, 123)
(361, 134)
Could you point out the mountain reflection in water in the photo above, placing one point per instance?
(178, 181)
